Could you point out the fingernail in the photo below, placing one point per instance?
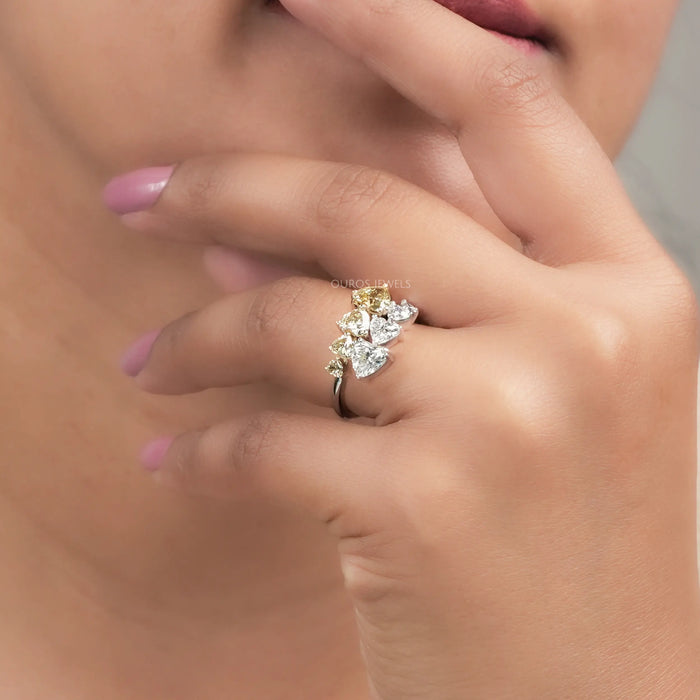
(134, 359)
(137, 190)
(152, 454)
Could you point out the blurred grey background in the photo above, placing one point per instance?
(661, 164)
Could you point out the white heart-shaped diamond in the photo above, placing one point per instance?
(400, 313)
(382, 330)
(355, 323)
(367, 358)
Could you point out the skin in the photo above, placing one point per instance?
(112, 584)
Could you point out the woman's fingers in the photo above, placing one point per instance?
(234, 270)
(351, 221)
(279, 333)
(539, 167)
(292, 459)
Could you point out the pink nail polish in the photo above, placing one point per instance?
(152, 454)
(137, 190)
(134, 359)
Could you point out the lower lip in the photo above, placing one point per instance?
(526, 46)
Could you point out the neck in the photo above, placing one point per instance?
(111, 586)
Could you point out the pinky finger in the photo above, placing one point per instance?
(302, 461)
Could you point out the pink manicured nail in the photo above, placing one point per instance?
(134, 359)
(137, 190)
(152, 454)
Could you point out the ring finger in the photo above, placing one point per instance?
(278, 333)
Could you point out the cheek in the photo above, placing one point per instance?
(106, 72)
(149, 82)
(615, 47)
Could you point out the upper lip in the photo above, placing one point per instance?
(511, 17)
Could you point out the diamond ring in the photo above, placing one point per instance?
(375, 323)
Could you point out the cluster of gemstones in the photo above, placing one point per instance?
(373, 324)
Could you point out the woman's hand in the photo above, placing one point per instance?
(519, 521)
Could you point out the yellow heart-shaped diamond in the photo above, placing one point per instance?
(376, 300)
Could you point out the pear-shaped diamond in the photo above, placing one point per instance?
(367, 358)
(335, 367)
(340, 346)
(382, 330)
(356, 323)
(376, 300)
(400, 313)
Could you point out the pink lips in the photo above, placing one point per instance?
(511, 18)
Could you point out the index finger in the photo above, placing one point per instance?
(541, 170)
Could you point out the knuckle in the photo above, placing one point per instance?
(187, 456)
(679, 312)
(610, 345)
(522, 417)
(612, 338)
(254, 440)
(512, 87)
(670, 309)
(351, 192)
(200, 185)
(274, 311)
